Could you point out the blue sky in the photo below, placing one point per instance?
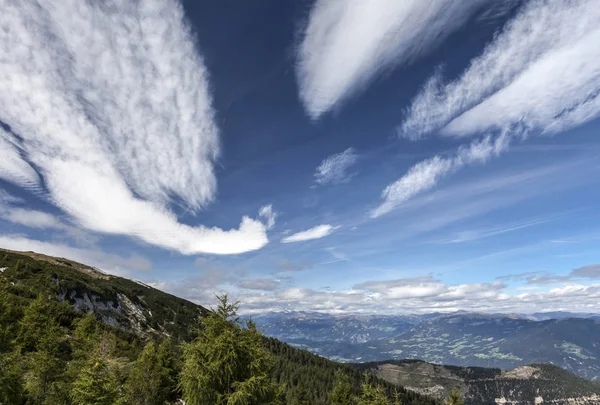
(319, 155)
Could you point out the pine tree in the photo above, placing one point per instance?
(96, 385)
(342, 391)
(97, 382)
(455, 398)
(43, 340)
(397, 400)
(11, 379)
(227, 363)
(372, 394)
(150, 381)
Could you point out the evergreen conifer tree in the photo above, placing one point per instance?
(372, 394)
(96, 384)
(455, 398)
(150, 381)
(42, 342)
(342, 391)
(11, 379)
(227, 363)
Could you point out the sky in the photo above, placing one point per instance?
(337, 156)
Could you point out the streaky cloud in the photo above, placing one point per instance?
(426, 174)
(12, 167)
(334, 168)
(111, 100)
(540, 75)
(348, 42)
(542, 72)
(318, 232)
(266, 212)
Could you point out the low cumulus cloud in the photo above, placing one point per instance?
(110, 102)
(540, 75)
(346, 43)
(423, 295)
(590, 272)
(318, 232)
(405, 295)
(334, 169)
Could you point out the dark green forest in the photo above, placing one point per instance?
(70, 334)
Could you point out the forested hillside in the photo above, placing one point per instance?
(70, 334)
(531, 384)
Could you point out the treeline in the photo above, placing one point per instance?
(52, 354)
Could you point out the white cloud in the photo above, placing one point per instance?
(541, 73)
(426, 174)
(110, 263)
(334, 169)
(7, 198)
(112, 104)
(42, 220)
(31, 218)
(423, 296)
(268, 215)
(477, 234)
(12, 167)
(347, 42)
(318, 232)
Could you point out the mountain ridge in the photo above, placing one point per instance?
(141, 314)
(529, 384)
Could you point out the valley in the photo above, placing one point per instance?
(461, 339)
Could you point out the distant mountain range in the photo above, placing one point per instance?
(506, 341)
(533, 384)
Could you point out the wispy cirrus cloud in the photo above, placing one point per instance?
(334, 169)
(318, 232)
(35, 219)
(348, 42)
(477, 234)
(541, 75)
(30, 218)
(426, 174)
(117, 116)
(269, 215)
(12, 167)
(7, 198)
